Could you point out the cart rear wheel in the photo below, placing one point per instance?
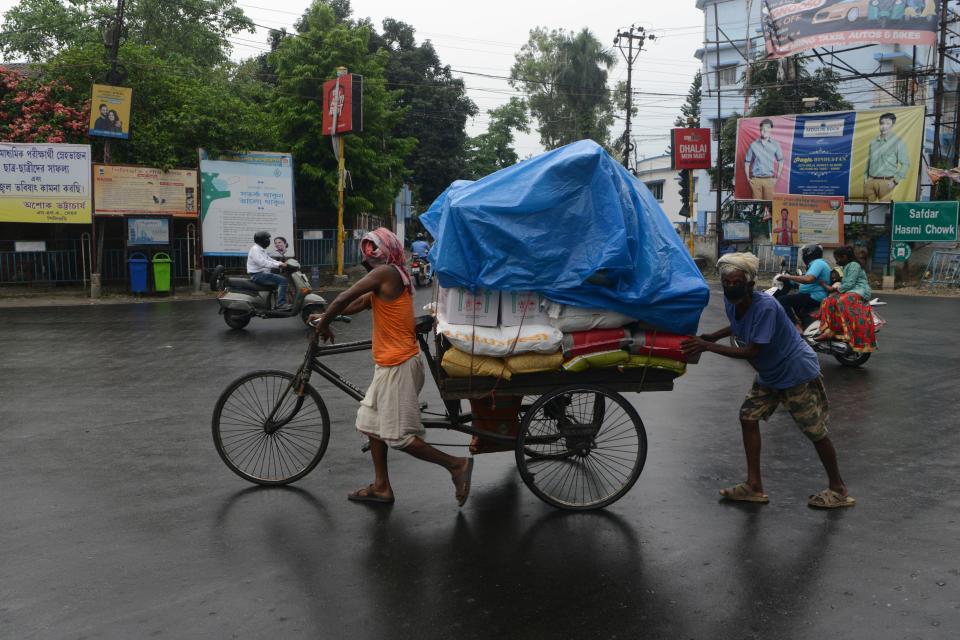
(265, 432)
(581, 447)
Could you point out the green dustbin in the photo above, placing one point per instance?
(161, 272)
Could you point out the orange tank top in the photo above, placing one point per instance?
(394, 331)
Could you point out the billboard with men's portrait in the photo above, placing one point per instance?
(790, 26)
(871, 155)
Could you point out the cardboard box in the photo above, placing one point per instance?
(524, 307)
(460, 306)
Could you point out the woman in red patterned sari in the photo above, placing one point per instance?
(845, 314)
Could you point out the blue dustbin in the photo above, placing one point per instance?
(138, 272)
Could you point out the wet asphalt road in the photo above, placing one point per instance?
(120, 521)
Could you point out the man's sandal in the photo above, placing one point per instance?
(830, 499)
(743, 493)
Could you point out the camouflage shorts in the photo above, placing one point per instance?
(807, 403)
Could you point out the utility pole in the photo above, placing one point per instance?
(716, 47)
(116, 75)
(631, 34)
(938, 95)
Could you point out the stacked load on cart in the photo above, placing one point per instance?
(564, 262)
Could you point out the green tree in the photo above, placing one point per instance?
(564, 76)
(374, 158)
(195, 29)
(436, 109)
(177, 105)
(493, 150)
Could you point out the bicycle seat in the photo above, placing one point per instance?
(249, 285)
(424, 324)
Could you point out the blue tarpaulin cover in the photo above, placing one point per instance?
(550, 223)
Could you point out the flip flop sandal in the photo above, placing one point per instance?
(367, 495)
(742, 493)
(462, 483)
(830, 499)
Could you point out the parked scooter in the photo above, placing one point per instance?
(241, 299)
(421, 269)
(811, 325)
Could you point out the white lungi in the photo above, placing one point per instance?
(390, 410)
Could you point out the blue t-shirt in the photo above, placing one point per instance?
(785, 360)
(820, 270)
(420, 247)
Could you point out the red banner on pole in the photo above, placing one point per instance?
(337, 105)
(691, 148)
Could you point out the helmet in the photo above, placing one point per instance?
(421, 236)
(262, 238)
(810, 252)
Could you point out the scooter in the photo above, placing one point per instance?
(241, 299)
(421, 269)
(811, 325)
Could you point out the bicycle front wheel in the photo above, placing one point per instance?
(267, 434)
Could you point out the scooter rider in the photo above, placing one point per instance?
(420, 246)
(811, 294)
(259, 265)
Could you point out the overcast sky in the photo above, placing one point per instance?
(482, 37)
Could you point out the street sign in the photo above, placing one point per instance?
(691, 148)
(900, 252)
(925, 221)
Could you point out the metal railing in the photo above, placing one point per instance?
(68, 261)
(943, 270)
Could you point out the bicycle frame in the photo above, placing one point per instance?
(453, 418)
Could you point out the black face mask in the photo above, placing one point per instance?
(735, 293)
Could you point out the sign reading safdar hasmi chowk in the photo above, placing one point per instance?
(925, 221)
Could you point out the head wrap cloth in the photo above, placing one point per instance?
(746, 262)
(382, 246)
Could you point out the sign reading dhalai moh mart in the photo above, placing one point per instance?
(45, 183)
(124, 190)
(925, 221)
(241, 194)
(869, 155)
(790, 26)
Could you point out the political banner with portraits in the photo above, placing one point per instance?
(241, 194)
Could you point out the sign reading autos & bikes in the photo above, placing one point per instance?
(925, 221)
(691, 148)
(790, 26)
(45, 183)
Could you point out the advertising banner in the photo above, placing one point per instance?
(871, 155)
(691, 148)
(241, 194)
(343, 104)
(925, 221)
(790, 26)
(110, 111)
(124, 190)
(45, 183)
(798, 220)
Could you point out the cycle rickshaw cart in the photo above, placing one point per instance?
(579, 444)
